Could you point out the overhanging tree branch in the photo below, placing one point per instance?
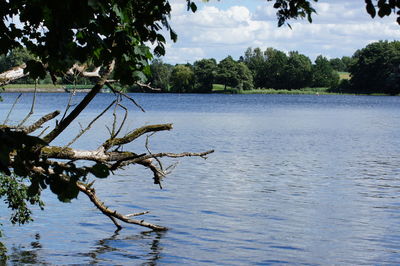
(31, 157)
(80, 107)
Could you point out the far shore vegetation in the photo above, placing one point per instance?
(372, 70)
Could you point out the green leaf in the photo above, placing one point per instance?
(370, 9)
(100, 170)
(35, 69)
(193, 7)
(173, 35)
(139, 75)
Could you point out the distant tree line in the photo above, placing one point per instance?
(200, 77)
(373, 69)
(255, 70)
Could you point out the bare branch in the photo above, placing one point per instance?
(41, 121)
(137, 214)
(159, 173)
(114, 124)
(148, 150)
(71, 95)
(80, 70)
(167, 154)
(79, 108)
(111, 213)
(135, 134)
(12, 108)
(12, 74)
(147, 86)
(123, 120)
(125, 95)
(68, 153)
(90, 124)
(32, 106)
(44, 130)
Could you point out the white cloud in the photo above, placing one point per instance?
(216, 31)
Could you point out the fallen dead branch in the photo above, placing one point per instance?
(66, 170)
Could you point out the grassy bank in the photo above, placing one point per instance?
(218, 88)
(344, 75)
(30, 86)
(299, 91)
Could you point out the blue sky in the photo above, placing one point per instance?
(228, 27)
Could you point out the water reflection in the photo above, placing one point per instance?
(21, 255)
(295, 179)
(127, 248)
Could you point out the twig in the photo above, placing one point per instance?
(32, 106)
(147, 86)
(148, 150)
(123, 120)
(125, 95)
(69, 100)
(90, 124)
(167, 154)
(12, 108)
(159, 173)
(114, 124)
(137, 214)
(44, 130)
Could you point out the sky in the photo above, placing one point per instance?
(229, 27)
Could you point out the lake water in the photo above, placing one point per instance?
(298, 179)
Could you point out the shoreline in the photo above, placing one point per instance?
(230, 92)
(31, 90)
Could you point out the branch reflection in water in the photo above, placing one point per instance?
(110, 249)
(20, 255)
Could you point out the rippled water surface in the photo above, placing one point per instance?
(294, 179)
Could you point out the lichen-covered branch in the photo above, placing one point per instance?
(135, 134)
(41, 121)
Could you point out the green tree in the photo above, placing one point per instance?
(227, 72)
(347, 62)
(245, 77)
(160, 74)
(182, 79)
(204, 72)
(98, 31)
(376, 68)
(337, 64)
(323, 73)
(274, 73)
(15, 57)
(255, 61)
(297, 72)
(234, 74)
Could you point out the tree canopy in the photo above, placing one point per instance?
(97, 32)
(376, 68)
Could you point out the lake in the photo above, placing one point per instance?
(295, 179)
